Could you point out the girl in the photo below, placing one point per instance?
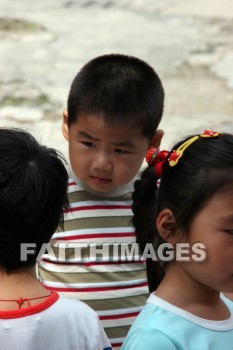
(188, 220)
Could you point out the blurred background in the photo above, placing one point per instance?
(43, 44)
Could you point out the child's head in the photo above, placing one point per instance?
(122, 95)
(202, 176)
(33, 186)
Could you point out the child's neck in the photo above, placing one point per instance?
(20, 283)
(112, 193)
(192, 296)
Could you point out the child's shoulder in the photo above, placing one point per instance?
(79, 317)
(72, 306)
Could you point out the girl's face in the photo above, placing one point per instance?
(213, 226)
(104, 157)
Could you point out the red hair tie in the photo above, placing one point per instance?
(156, 158)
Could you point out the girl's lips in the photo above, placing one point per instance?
(100, 180)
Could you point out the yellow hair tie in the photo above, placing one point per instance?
(177, 154)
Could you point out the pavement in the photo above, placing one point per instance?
(188, 42)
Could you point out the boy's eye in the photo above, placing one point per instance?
(230, 232)
(88, 144)
(120, 151)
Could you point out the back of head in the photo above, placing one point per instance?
(124, 89)
(204, 170)
(33, 185)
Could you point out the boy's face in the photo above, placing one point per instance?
(105, 157)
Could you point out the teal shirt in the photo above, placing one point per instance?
(163, 326)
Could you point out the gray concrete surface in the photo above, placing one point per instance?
(189, 43)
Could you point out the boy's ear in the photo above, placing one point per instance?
(165, 224)
(65, 128)
(156, 139)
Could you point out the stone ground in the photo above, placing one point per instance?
(188, 42)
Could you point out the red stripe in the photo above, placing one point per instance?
(114, 317)
(92, 207)
(96, 289)
(97, 235)
(72, 183)
(94, 263)
(116, 345)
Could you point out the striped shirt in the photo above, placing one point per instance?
(96, 260)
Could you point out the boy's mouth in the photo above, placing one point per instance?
(100, 180)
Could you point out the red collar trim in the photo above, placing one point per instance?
(30, 310)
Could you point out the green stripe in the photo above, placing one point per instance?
(89, 277)
(97, 222)
(117, 332)
(118, 303)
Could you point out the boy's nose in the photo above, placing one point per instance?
(103, 162)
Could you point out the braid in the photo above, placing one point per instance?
(143, 207)
(143, 197)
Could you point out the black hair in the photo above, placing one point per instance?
(33, 193)
(124, 89)
(205, 169)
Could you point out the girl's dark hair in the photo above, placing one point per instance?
(124, 89)
(33, 193)
(205, 168)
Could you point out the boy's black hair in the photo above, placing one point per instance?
(33, 187)
(124, 89)
(205, 169)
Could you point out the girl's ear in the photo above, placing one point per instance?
(165, 224)
(65, 127)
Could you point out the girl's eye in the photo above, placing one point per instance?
(88, 144)
(230, 232)
(120, 151)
